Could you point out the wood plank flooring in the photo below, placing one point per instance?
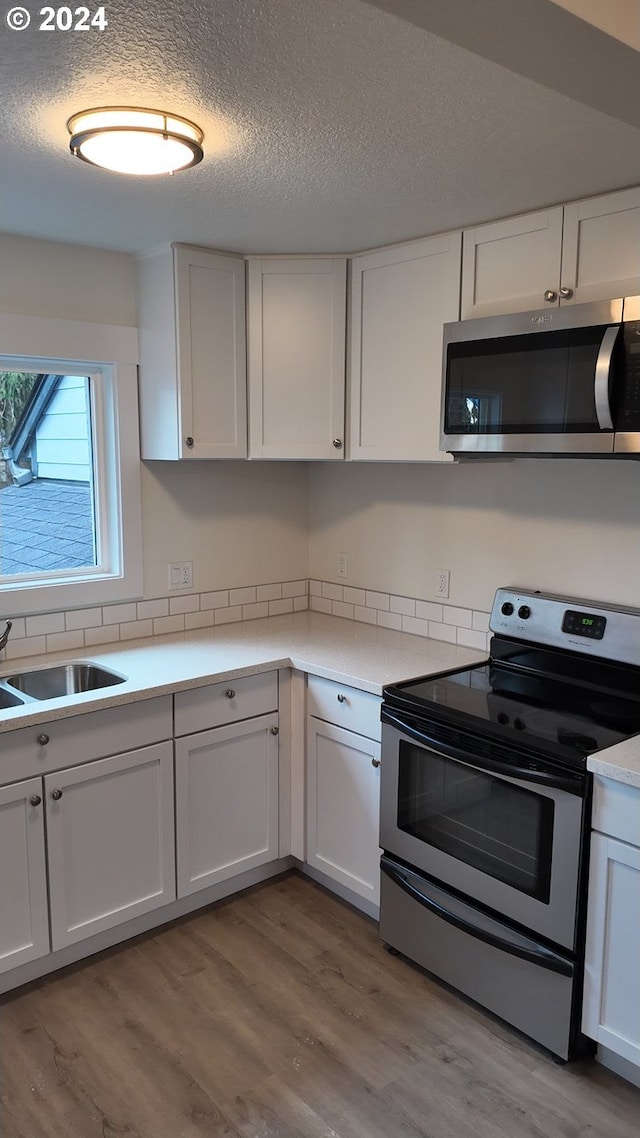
(279, 1013)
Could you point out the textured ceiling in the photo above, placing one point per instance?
(330, 125)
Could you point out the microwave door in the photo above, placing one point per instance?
(547, 392)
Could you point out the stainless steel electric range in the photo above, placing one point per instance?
(485, 806)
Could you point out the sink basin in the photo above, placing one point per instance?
(64, 679)
(7, 699)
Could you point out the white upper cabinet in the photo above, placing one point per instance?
(588, 250)
(191, 316)
(296, 357)
(400, 299)
(601, 247)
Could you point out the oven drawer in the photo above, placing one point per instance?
(477, 955)
(345, 706)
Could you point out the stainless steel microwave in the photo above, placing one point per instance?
(565, 382)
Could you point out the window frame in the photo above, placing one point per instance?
(108, 354)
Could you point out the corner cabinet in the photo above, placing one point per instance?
(611, 1011)
(296, 357)
(192, 374)
(400, 299)
(343, 790)
(587, 250)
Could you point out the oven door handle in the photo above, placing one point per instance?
(515, 945)
(572, 784)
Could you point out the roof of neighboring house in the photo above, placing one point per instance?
(46, 525)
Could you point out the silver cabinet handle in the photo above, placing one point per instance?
(230, 694)
(56, 795)
(341, 698)
(35, 800)
(566, 293)
(337, 443)
(550, 295)
(375, 762)
(43, 740)
(189, 441)
(275, 730)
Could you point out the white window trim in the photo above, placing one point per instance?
(109, 353)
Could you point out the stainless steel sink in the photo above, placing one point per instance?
(63, 679)
(8, 699)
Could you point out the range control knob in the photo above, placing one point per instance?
(524, 612)
(507, 608)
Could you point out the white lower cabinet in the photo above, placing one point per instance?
(343, 797)
(110, 841)
(226, 801)
(611, 1011)
(24, 925)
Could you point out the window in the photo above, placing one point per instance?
(69, 536)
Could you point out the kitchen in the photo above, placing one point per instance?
(566, 527)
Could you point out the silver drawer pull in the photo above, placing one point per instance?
(375, 762)
(230, 694)
(42, 740)
(56, 795)
(341, 698)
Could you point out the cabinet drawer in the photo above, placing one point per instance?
(345, 706)
(241, 698)
(46, 747)
(616, 809)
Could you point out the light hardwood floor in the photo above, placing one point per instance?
(279, 1013)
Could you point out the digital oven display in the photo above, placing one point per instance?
(584, 624)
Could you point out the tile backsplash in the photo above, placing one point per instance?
(106, 624)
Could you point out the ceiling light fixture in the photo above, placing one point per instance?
(133, 140)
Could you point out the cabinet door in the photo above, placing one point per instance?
(210, 319)
(226, 802)
(507, 266)
(601, 247)
(192, 374)
(343, 801)
(296, 333)
(110, 842)
(611, 1013)
(24, 925)
(400, 300)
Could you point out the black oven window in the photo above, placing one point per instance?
(481, 819)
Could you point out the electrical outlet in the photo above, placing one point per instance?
(442, 582)
(342, 565)
(181, 574)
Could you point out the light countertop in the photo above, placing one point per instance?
(349, 652)
(620, 762)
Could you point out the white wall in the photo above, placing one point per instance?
(240, 523)
(571, 526)
(45, 278)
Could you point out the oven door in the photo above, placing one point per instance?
(506, 836)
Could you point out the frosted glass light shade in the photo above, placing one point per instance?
(132, 140)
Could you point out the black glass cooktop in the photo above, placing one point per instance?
(538, 698)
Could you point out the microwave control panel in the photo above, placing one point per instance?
(628, 410)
